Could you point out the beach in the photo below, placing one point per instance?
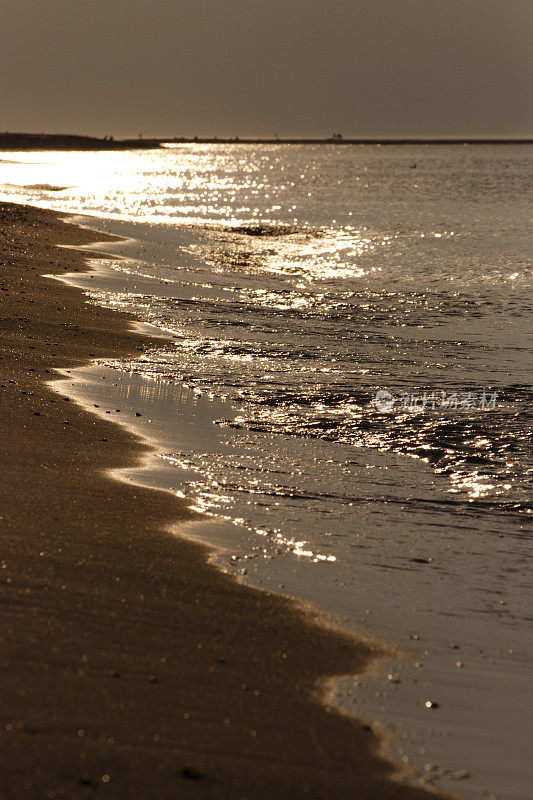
(130, 666)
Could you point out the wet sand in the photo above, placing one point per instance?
(129, 666)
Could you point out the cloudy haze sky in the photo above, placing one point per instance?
(251, 68)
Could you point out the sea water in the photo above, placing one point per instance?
(344, 390)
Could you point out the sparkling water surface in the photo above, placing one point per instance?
(293, 283)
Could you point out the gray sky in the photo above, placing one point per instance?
(251, 68)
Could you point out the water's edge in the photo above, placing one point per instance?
(369, 697)
(221, 537)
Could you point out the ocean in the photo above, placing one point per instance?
(343, 387)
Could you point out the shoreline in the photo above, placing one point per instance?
(130, 664)
(177, 421)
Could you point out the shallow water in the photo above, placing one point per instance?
(293, 283)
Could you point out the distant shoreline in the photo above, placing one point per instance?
(46, 141)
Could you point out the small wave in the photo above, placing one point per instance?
(263, 229)
(267, 229)
(45, 187)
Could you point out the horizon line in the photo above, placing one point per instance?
(11, 140)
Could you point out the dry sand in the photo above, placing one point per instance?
(129, 666)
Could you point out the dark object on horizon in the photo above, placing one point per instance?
(60, 141)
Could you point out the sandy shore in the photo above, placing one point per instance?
(129, 666)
